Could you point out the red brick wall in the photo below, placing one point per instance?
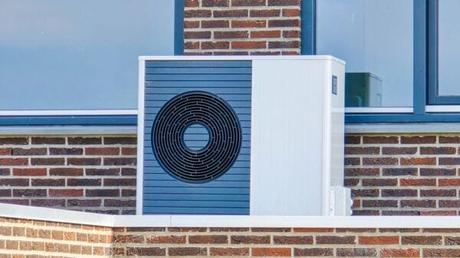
(87, 173)
(388, 174)
(21, 238)
(404, 174)
(287, 242)
(242, 27)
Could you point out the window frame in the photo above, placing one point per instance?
(425, 71)
(179, 8)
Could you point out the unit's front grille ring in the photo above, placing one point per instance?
(219, 154)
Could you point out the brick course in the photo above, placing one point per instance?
(242, 27)
(403, 174)
(295, 242)
(87, 173)
(32, 238)
(21, 238)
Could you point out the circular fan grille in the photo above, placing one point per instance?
(223, 143)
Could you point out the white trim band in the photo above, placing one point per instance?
(442, 109)
(68, 130)
(67, 112)
(75, 217)
(409, 128)
(354, 110)
(288, 221)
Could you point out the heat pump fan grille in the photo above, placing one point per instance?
(224, 140)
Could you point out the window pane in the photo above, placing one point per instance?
(78, 54)
(375, 38)
(448, 47)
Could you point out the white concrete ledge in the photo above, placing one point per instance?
(127, 130)
(68, 130)
(289, 221)
(383, 128)
(55, 215)
(74, 217)
(69, 112)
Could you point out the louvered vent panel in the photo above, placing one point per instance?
(197, 137)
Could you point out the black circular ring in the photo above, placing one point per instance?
(224, 144)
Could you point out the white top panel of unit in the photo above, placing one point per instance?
(298, 57)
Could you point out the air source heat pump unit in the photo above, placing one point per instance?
(241, 135)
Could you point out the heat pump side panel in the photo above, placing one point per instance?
(337, 124)
(228, 194)
(287, 137)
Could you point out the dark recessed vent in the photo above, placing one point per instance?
(205, 118)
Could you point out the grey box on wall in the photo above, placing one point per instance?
(363, 90)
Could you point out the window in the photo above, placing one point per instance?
(400, 56)
(375, 38)
(445, 51)
(78, 54)
(449, 48)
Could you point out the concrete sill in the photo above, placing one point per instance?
(405, 128)
(75, 217)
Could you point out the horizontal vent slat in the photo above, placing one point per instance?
(224, 178)
(196, 211)
(219, 91)
(233, 170)
(197, 197)
(202, 203)
(196, 85)
(198, 63)
(231, 98)
(198, 77)
(199, 190)
(198, 70)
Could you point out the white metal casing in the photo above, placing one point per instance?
(297, 135)
(297, 130)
